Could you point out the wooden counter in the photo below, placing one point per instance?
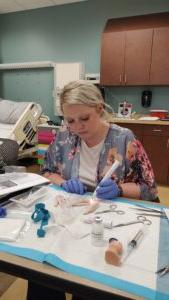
(136, 120)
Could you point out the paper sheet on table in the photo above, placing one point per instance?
(28, 199)
(12, 182)
(166, 210)
(10, 228)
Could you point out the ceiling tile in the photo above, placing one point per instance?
(20, 5)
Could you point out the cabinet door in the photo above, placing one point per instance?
(138, 56)
(125, 57)
(112, 58)
(159, 73)
(156, 148)
(156, 144)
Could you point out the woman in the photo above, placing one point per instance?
(85, 149)
(88, 144)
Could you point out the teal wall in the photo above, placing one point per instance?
(66, 33)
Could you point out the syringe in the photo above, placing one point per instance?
(134, 243)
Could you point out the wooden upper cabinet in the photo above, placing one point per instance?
(135, 51)
(138, 56)
(125, 57)
(112, 58)
(159, 74)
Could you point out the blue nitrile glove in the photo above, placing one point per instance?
(108, 189)
(3, 212)
(74, 185)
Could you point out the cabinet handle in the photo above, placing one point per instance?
(168, 144)
(157, 130)
(120, 78)
(125, 78)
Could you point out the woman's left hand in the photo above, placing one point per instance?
(108, 189)
(54, 178)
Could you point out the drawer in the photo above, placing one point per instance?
(158, 130)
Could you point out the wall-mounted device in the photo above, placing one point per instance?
(146, 98)
(93, 77)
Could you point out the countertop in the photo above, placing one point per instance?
(135, 119)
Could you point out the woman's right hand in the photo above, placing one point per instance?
(74, 185)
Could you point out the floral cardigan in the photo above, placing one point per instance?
(63, 157)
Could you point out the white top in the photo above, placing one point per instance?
(89, 158)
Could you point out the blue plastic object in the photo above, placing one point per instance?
(41, 232)
(43, 215)
(40, 212)
(3, 212)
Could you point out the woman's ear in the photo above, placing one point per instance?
(100, 108)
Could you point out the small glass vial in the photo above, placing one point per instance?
(97, 233)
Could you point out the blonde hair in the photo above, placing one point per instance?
(83, 92)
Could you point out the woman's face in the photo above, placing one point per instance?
(83, 120)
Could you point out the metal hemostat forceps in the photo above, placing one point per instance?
(140, 219)
(146, 211)
(112, 208)
(163, 271)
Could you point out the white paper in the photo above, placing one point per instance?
(12, 182)
(166, 210)
(149, 118)
(32, 197)
(10, 229)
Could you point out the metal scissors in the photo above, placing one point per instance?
(140, 219)
(112, 208)
(163, 271)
